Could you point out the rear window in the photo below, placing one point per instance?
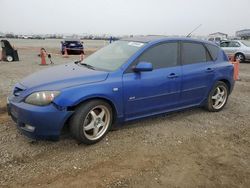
(246, 42)
(213, 50)
(193, 53)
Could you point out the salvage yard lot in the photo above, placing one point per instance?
(186, 149)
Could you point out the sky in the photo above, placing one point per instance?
(124, 17)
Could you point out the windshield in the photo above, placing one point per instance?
(246, 42)
(114, 55)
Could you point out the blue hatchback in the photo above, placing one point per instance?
(126, 80)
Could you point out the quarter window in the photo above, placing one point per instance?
(193, 53)
(214, 50)
(163, 55)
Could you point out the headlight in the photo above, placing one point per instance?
(42, 98)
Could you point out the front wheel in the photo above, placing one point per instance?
(217, 98)
(91, 121)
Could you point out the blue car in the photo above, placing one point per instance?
(72, 46)
(126, 80)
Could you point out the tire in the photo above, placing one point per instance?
(9, 58)
(91, 121)
(240, 57)
(217, 97)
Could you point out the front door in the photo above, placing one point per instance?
(148, 93)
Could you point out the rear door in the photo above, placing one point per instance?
(147, 93)
(197, 73)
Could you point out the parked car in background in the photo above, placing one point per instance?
(239, 49)
(126, 80)
(72, 46)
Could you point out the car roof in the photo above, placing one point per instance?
(145, 39)
(155, 38)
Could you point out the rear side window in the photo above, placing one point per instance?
(193, 53)
(213, 50)
(162, 55)
(234, 44)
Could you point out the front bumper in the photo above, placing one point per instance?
(38, 122)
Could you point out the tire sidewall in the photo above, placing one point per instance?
(76, 123)
(9, 58)
(210, 101)
(242, 60)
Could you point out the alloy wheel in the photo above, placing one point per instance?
(219, 97)
(96, 122)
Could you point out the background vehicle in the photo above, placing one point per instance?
(126, 80)
(73, 46)
(239, 49)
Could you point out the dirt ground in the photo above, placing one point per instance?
(193, 148)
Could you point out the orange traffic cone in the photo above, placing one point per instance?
(236, 69)
(43, 56)
(236, 64)
(65, 55)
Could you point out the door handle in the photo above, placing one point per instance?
(172, 75)
(209, 70)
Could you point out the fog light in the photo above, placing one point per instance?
(29, 128)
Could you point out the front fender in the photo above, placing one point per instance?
(112, 92)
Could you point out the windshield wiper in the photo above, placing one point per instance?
(86, 65)
(76, 62)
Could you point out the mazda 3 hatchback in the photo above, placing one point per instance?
(126, 80)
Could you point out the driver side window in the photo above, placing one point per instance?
(161, 56)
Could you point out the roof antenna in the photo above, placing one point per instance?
(189, 35)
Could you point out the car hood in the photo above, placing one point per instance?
(63, 76)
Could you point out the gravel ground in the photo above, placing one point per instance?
(193, 148)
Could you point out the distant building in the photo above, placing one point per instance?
(217, 37)
(243, 34)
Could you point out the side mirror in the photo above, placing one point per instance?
(143, 66)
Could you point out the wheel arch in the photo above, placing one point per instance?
(227, 83)
(239, 53)
(73, 108)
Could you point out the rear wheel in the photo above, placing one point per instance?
(217, 98)
(240, 57)
(91, 121)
